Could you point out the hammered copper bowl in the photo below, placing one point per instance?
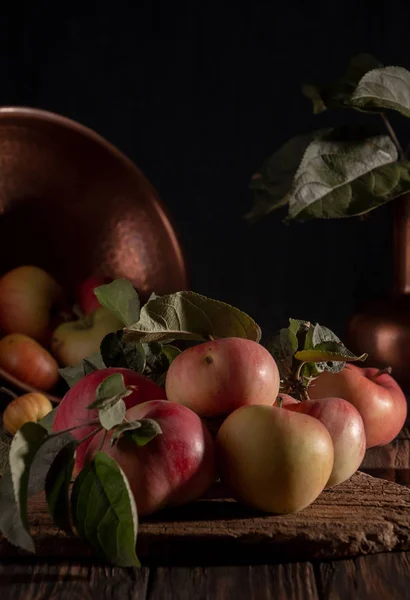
(73, 204)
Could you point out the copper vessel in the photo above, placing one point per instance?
(382, 329)
(73, 204)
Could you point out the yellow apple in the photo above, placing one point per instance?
(75, 340)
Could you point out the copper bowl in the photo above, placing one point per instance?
(73, 204)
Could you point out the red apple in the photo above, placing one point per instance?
(174, 468)
(274, 459)
(31, 302)
(75, 340)
(346, 428)
(73, 410)
(86, 299)
(217, 377)
(375, 394)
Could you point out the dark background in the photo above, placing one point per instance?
(198, 94)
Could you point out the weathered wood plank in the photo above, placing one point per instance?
(380, 577)
(362, 516)
(279, 582)
(71, 582)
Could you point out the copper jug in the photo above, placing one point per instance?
(382, 328)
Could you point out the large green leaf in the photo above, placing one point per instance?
(344, 178)
(272, 183)
(57, 486)
(104, 511)
(118, 353)
(338, 93)
(31, 456)
(381, 89)
(190, 316)
(120, 298)
(328, 351)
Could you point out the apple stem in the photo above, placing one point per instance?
(91, 434)
(279, 401)
(4, 390)
(386, 370)
(56, 433)
(393, 135)
(102, 441)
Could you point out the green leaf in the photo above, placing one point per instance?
(328, 351)
(74, 373)
(147, 431)
(92, 363)
(338, 93)
(118, 353)
(110, 390)
(48, 421)
(104, 511)
(57, 486)
(120, 298)
(158, 358)
(283, 348)
(171, 352)
(110, 416)
(346, 178)
(13, 514)
(298, 325)
(141, 432)
(381, 89)
(24, 446)
(190, 316)
(273, 182)
(5, 443)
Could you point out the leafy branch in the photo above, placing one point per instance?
(342, 172)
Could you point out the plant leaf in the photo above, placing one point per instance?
(190, 316)
(158, 358)
(338, 93)
(41, 451)
(110, 416)
(272, 183)
(328, 351)
(24, 446)
(341, 179)
(283, 348)
(120, 298)
(171, 352)
(110, 390)
(104, 511)
(381, 89)
(141, 431)
(118, 353)
(92, 363)
(5, 443)
(57, 485)
(48, 421)
(147, 431)
(73, 374)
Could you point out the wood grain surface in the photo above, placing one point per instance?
(379, 577)
(362, 516)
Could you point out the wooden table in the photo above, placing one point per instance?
(357, 548)
(332, 549)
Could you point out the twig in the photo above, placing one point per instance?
(393, 136)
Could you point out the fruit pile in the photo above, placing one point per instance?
(41, 331)
(184, 394)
